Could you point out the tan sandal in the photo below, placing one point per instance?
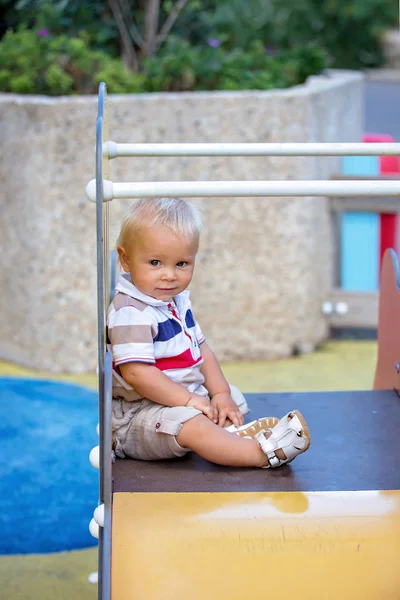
(251, 430)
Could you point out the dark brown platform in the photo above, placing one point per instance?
(355, 446)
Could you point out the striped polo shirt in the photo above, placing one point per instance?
(164, 334)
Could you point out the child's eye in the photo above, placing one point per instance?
(182, 263)
(155, 263)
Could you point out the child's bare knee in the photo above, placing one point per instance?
(190, 428)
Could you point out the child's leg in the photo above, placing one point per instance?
(219, 446)
(270, 448)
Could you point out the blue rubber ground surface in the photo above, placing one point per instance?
(48, 489)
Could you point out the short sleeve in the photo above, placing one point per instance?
(199, 334)
(130, 332)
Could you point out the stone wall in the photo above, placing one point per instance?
(265, 265)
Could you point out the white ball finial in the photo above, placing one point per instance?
(94, 529)
(94, 457)
(327, 308)
(108, 190)
(90, 190)
(98, 515)
(93, 577)
(341, 308)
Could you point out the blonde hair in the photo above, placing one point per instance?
(177, 214)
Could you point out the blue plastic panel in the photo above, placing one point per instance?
(361, 165)
(360, 251)
(360, 234)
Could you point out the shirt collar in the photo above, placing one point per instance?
(126, 286)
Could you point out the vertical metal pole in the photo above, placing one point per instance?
(337, 247)
(104, 360)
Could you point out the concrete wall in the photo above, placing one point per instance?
(265, 265)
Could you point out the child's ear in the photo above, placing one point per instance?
(123, 258)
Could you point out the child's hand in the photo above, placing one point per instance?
(205, 406)
(227, 409)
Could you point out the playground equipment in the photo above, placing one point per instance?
(328, 527)
(364, 228)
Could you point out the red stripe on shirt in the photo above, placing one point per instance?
(131, 359)
(181, 361)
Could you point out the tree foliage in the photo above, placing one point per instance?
(66, 46)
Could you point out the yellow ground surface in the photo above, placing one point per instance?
(336, 366)
(63, 576)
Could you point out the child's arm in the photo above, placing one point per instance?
(151, 383)
(218, 388)
(215, 381)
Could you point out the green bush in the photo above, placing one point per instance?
(65, 17)
(67, 46)
(183, 67)
(35, 62)
(349, 30)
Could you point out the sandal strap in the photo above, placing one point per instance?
(268, 449)
(284, 436)
(273, 460)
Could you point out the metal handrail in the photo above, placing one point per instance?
(135, 189)
(114, 149)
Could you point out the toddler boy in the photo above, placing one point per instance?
(169, 393)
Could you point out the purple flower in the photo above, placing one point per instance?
(213, 43)
(43, 32)
(269, 50)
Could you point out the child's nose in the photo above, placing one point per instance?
(169, 274)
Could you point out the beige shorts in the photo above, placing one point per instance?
(147, 431)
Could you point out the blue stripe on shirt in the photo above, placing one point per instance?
(189, 319)
(167, 330)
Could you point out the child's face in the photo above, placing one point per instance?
(160, 263)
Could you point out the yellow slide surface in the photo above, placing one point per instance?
(281, 545)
